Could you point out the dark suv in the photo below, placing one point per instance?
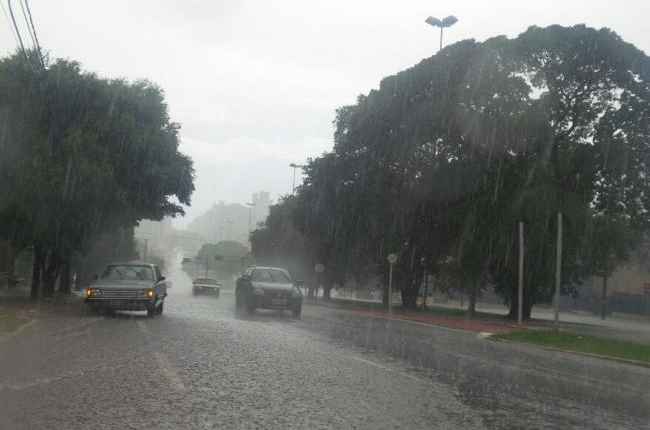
(268, 288)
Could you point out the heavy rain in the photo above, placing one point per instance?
(324, 216)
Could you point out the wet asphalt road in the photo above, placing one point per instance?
(201, 366)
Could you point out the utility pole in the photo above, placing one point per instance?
(558, 269)
(520, 289)
(392, 259)
(146, 249)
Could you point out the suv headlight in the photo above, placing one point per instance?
(149, 293)
(258, 291)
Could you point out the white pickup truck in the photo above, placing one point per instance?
(129, 286)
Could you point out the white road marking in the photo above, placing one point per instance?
(165, 367)
(169, 372)
(385, 368)
(143, 327)
(42, 381)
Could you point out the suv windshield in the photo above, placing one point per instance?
(128, 273)
(270, 275)
(279, 277)
(206, 281)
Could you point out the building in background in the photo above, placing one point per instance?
(232, 221)
(261, 204)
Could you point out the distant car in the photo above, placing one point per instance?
(268, 288)
(129, 286)
(186, 260)
(206, 285)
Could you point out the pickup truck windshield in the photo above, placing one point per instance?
(128, 273)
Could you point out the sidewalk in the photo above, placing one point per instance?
(370, 308)
(633, 330)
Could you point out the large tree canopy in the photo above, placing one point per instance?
(444, 159)
(81, 156)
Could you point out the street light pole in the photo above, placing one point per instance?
(250, 205)
(558, 269)
(392, 259)
(520, 286)
(293, 183)
(445, 23)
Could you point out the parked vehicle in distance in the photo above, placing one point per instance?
(186, 260)
(206, 285)
(129, 286)
(268, 288)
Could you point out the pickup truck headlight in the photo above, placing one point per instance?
(93, 292)
(258, 291)
(149, 293)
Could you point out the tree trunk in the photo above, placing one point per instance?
(473, 292)
(50, 273)
(64, 281)
(11, 265)
(514, 301)
(410, 291)
(37, 265)
(425, 290)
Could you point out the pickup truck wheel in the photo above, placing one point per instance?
(296, 311)
(151, 312)
(238, 302)
(250, 308)
(160, 309)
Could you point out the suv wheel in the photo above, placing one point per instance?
(151, 312)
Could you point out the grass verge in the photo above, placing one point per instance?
(572, 342)
(10, 321)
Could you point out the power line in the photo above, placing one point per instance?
(13, 20)
(36, 42)
(29, 29)
(11, 29)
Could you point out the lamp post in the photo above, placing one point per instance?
(250, 205)
(392, 259)
(445, 23)
(295, 166)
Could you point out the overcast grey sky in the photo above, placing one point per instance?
(255, 83)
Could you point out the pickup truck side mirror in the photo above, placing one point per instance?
(162, 278)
